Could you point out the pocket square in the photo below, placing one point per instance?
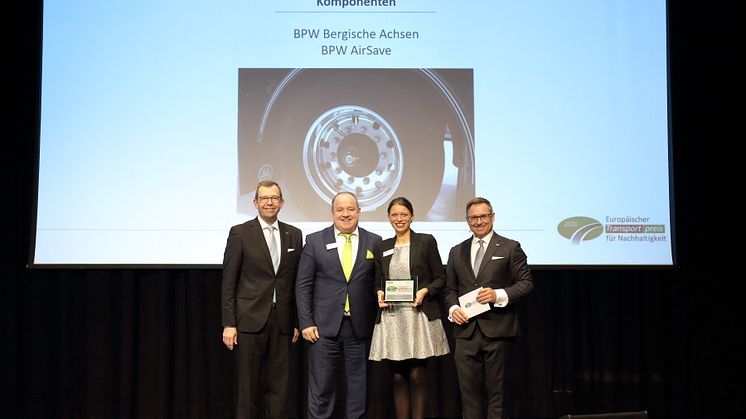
(290, 250)
(369, 254)
(498, 257)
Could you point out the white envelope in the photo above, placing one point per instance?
(470, 305)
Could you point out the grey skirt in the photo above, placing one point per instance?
(406, 333)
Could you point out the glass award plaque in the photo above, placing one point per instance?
(399, 289)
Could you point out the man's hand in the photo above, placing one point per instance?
(296, 333)
(311, 334)
(487, 295)
(459, 316)
(230, 337)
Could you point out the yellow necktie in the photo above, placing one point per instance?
(347, 264)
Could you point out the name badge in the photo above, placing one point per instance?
(331, 246)
(388, 252)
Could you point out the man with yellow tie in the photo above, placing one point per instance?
(336, 299)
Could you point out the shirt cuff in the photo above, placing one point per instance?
(450, 312)
(501, 298)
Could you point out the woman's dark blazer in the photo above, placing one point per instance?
(424, 261)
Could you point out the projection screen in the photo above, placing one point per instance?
(159, 118)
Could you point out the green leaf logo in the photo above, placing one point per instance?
(578, 229)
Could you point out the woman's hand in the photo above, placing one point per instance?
(381, 304)
(420, 297)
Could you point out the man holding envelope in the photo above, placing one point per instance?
(486, 275)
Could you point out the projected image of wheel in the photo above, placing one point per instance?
(351, 148)
(377, 133)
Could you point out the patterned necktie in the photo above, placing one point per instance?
(273, 252)
(478, 257)
(347, 264)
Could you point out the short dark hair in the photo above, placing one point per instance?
(476, 201)
(266, 184)
(400, 201)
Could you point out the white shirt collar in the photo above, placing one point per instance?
(487, 238)
(355, 233)
(264, 224)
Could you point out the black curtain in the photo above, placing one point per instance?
(146, 343)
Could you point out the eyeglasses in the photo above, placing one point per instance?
(483, 218)
(274, 198)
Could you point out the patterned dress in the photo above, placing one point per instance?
(404, 331)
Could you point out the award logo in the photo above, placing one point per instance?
(578, 229)
(618, 229)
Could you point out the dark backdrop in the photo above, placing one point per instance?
(146, 343)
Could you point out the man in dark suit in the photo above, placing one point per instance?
(499, 267)
(335, 294)
(258, 309)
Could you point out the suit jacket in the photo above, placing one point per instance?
(504, 266)
(424, 262)
(249, 277)
(320, 287)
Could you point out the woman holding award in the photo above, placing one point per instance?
(408, 330)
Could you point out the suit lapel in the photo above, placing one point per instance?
(256, 230)
(466, 258)
(333, 253)
(414, 247)
(387, 254)
(284, 243)
(362, 252)
(489, 251)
